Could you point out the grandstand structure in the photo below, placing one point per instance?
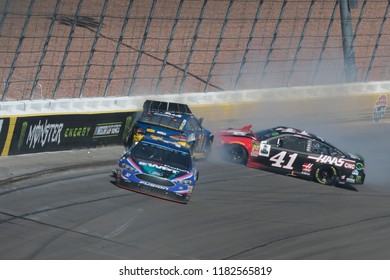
(54, 49)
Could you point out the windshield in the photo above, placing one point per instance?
(170, 120)
(162, 155)
(265, 134)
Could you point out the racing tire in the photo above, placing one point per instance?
(326, 175)
(237, 154)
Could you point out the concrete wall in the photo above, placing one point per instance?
(134, 103)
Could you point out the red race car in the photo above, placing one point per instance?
(290, 151)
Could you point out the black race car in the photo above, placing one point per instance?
(291, 151)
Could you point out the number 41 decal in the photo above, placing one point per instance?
(278, 160)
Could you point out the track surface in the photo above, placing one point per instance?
(235, 212)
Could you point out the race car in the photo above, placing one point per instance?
(293, 152)
(157, 168)
(175, 122)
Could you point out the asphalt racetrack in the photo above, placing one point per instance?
(235, 212)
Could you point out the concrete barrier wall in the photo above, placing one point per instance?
(134, 103)
(358, 101)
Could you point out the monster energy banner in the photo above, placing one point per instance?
(65, 132)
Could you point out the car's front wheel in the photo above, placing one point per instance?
(237, 154)
(326, 175)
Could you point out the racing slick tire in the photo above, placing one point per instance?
(326, 175)
(236, 154)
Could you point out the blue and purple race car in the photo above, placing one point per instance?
(158, 168)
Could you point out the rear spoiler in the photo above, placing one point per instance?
(161, 106)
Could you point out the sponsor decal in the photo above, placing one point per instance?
(22, 134)
(161, 132)
(107, 130)
(128, 125)
(264, 149)
(255, 149)
(41, 133)
(307, 167)
(77, 131)
(168, 114)
(153, 185)
(355, 172)
(379, 108)
(161, 167)
(350, 180)
(331, 160)
(349, 165)
(183, 124)
(359, 166)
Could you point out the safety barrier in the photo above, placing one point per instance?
(52, 125)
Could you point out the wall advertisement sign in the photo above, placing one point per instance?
(63, 132)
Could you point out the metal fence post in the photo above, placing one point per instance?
(378, 40)
(164, 63)
(348, 47)
(141, 50)
(325, 43)
(194, 38)
(4, 13)
(248, 43)
(45, 46)
(93, 48)
(271, 47)
(118, 47)
(300, 42)
(66, 53)
(17, 51)
(225, 21)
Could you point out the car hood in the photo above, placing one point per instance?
(159, 169)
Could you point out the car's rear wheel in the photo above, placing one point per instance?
(237, 154)
(326, 175)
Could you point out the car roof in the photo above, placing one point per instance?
(176, 115)
(285, 130)
(162, 106)
(151, 139)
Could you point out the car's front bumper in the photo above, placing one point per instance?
(163, 193)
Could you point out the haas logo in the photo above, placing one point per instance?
(339, 162)
(329, 160)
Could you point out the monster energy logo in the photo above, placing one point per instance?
(42, 133)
